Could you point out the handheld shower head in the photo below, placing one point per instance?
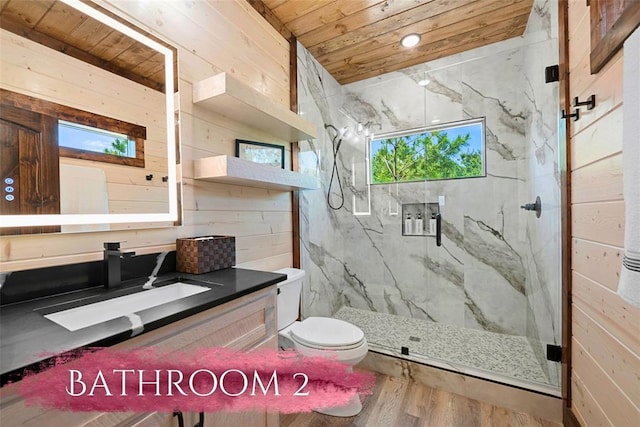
(336, 141)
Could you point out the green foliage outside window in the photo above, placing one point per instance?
(119, 147)
(439, 154)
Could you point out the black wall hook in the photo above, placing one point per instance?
(575, 115)
(590, 102)
(165, 178)
(149, 177)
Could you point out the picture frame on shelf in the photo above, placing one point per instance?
(260, 152)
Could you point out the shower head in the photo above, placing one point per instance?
(339, 132)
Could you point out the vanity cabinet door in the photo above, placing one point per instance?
(249, 419)
(246, 323)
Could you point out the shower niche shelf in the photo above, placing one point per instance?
(227, 96)
(232, 170)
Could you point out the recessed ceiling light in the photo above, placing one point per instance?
(424, 82)
(410, 40)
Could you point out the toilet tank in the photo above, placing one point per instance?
(289, 293)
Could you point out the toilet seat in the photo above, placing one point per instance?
(325, 333)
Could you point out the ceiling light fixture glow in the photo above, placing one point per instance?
(410, 40)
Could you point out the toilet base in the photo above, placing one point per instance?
(351, 409)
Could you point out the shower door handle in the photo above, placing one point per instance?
(438, 229)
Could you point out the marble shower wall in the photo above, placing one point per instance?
(497, 268)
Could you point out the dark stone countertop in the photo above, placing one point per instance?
(28, 339)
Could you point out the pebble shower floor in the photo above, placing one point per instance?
(489, 352)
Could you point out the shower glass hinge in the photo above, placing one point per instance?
(404, 350)
(551, 74)
(554, 353)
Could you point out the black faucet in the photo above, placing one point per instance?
(112, 256)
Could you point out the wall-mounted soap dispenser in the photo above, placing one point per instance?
(432, 225)
(419, 225)
(413, 223)
(408, 225)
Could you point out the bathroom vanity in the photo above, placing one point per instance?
(238, 312)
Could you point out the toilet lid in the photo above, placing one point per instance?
(327, 332)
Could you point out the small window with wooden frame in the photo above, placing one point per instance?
(87, 136)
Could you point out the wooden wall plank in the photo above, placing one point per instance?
(217, 34)
(583, 79)
(614, 314)
(598, 182)
(599, 222)
(617, 361)
(239, 12)
(188, 32)
(619, 408)
(268, 264)
(600, 263)
(244, 223)
(202, 195)
(578, 11)
(251, 248)
(585, 406)
(579, 38)
(606, 86)
(606, 329)
(596, 142)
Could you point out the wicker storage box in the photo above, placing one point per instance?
(196, 255)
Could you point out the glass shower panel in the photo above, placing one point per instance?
(486, 302)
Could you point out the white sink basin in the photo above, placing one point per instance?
(93, 314)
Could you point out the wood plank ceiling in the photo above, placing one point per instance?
(63, 28)
(359, 39)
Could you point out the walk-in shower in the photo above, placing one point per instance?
(486, 301)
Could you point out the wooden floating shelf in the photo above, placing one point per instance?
(230, 98)
(232, 170)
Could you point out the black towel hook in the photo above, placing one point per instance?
(590, 102)
(575, 115)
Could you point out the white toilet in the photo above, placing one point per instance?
(318, 336)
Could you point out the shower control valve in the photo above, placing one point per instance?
(535, 206)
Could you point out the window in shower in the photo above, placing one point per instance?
(447, 151)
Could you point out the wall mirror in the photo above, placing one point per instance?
(87, 121)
